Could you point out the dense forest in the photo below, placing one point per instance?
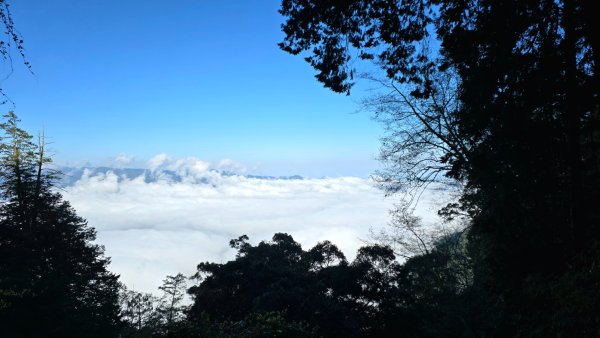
(496, 101)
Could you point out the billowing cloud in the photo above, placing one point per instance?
(157, 161)
(123, 159)
(154, 228)
(229, 165)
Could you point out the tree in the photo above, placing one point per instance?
(9, 40)
(277, 279)
(278, 287)
(139, 313)
(528, 113)
(234, 289)
(422, 142)
(171, 308)
(270, 290)
(53, 280)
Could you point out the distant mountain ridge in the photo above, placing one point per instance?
(70, 175)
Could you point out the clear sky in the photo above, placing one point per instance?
(201, 78)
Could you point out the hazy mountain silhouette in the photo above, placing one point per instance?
(73, 174)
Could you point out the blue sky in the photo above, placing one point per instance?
(186, 78)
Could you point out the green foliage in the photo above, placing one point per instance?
(275, 276)
(276, 288)
(376, 29)
(520, 137)
(50, 272)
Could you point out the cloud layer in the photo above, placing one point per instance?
(152, 229)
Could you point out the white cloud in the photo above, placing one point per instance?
(157, 161)
(231, 166)
(164, 227)
(189, 167)
(123, 159)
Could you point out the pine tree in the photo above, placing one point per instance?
(172, 308)
(54, 280)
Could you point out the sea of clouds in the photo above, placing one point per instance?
(179, 212)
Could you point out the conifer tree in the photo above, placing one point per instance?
(172, 308)
(54, 280)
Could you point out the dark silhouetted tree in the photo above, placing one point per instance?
(277, 285)
(171, 306)
(318, 293)
(275, 277)
(139, 313)
(53, 279)
(527, 111)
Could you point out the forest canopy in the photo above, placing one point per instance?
(519, 133)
